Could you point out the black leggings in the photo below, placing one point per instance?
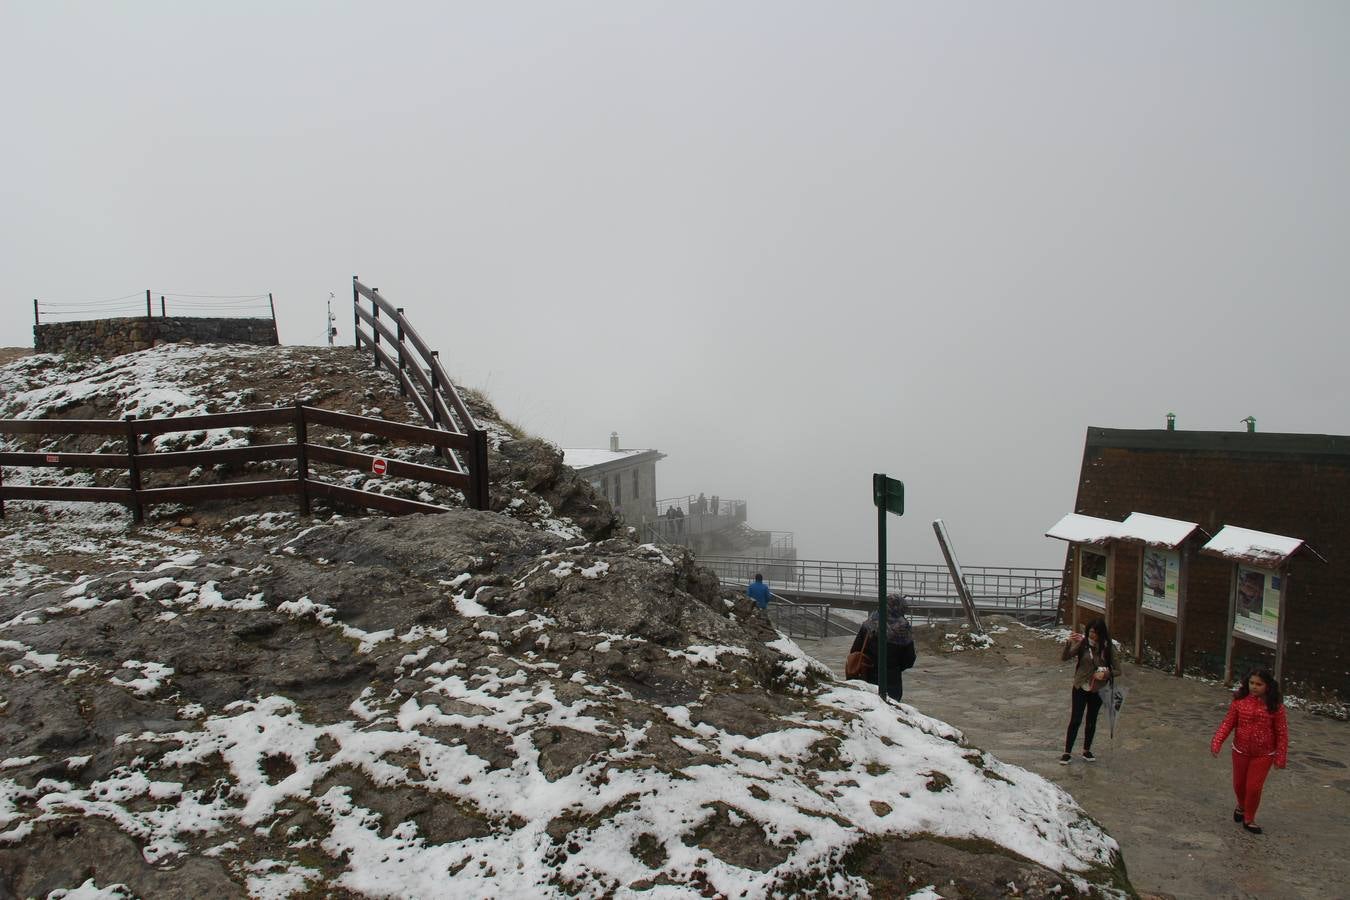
(1082, 700)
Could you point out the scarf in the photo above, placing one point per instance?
(898, 629)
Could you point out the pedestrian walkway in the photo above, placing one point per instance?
(1155, 786)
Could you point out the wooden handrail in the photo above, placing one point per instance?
(438, 401)
(473, 483)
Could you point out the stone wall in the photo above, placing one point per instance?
(110, 337)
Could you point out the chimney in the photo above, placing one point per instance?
(614, 440)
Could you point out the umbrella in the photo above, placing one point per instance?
(1113, 697)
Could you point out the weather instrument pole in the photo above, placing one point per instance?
(888, 495)
(331, 328)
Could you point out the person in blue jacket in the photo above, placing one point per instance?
(758, 591)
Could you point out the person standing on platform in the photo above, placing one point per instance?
(1095, 665)
(758, 591)
(1260, 739)
(900, 650)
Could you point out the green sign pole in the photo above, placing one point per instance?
(881, 599)
(888, 495)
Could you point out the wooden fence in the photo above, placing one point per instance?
(299, 418)
(421, 379)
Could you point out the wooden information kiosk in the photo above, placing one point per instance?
(1167, 545)
(1260, 587)
(1092, 546)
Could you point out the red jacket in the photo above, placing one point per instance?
(1260, 732)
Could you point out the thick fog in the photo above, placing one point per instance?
(787, 244)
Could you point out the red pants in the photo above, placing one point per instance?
(1249, 775)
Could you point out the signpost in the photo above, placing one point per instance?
(888, 495)
(379, 465)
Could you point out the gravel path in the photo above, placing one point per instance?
(1154, 787)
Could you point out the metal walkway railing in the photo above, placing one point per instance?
(1005, 589)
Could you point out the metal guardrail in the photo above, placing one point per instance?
(808, 620)
(1007, 589)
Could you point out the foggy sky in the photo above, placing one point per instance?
(787, 244)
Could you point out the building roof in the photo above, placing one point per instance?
(1082, 529)
(1257, 548)
(1155, 531)
(582, 459)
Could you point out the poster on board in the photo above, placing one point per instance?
(1258, 603)
(1092, 578)
(1162, 575)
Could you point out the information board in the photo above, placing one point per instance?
(1092, 578)
(1258, 603)
(1162, 577)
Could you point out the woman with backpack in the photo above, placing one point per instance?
(1095, 666)
(900, 652)
(1260, 739)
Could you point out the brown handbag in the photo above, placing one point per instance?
(859, 664)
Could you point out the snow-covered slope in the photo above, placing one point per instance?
(461, 705)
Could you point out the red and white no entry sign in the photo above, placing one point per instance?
(378, 465)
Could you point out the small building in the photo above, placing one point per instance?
(1277, 484)
(627, 478)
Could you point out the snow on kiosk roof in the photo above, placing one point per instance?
(1156, 531)
(1082, 529)
(1257, 548)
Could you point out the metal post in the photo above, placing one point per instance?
(881, 601)
(302, 456)
(162, 313)
(276, 335)
(356, 316)
(402, 363)
(134, 467)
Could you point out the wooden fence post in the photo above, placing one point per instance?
(402, 363)
(479, 470)
(133, 464)
(276, 335)
(375, 328)
(302, 456)
(356, 313)
(35, 312)
(2, 492)
(435, 388)
(148, 313)
(162, 313)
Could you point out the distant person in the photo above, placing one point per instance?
(701, 504)
(1260, 739)
(900, 650)
(758, 591)
(1095, 666)
(714, 504)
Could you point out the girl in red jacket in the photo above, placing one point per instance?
(1261, 738)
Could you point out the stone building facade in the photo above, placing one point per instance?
(112, 337)
(626, 477)
(1287, 484)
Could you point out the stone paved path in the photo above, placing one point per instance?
(1154, 787)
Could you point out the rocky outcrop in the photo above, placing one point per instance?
(389, 707)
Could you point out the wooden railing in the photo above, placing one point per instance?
(421, 379)
(299, 417)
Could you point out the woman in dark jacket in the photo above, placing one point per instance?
(899, 637)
